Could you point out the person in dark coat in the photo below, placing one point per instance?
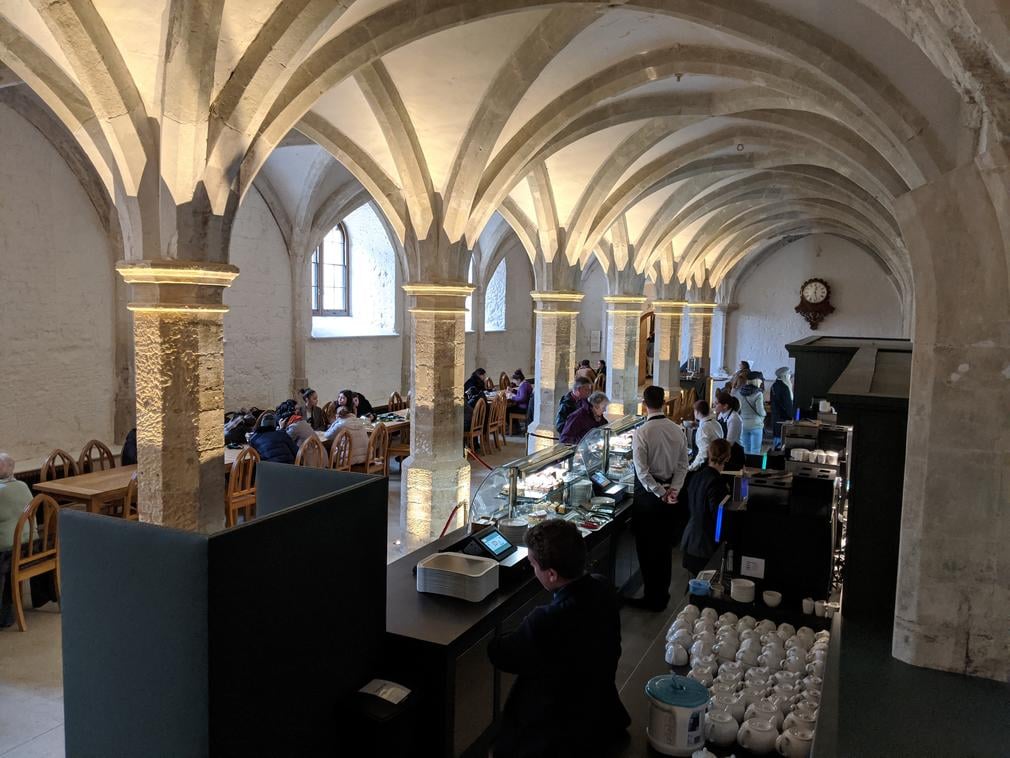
(586, 417)
(581, 389)
(128, 456)
(271, 443)
(564, 702)
(782, 402)
(310, 410)
(476, 380)
(706, 489)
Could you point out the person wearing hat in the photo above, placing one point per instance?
(782, 402)
(752, 413)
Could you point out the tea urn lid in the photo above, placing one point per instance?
(677, 691)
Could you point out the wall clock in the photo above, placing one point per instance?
(815, 301)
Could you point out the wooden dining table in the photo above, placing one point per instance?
(95, 489)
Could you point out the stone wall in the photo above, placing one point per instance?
(57, 307)
(592, 316)
(866, 304)
(513, 348)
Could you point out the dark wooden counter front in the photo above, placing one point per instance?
(437, 646)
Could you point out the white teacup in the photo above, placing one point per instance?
(800, 719)
(676, 655)
(692, 610)
(682, 623)
(749, 634)
(794, 743)
(731, 704)
(705, 636)
(788, 629)
(813, 697)
(702, 676)
(805, 632)
(746, 622)
(808, 605)
(721, 728)
(764, 709)
(811, 682)
(726, 650)
(757, 735)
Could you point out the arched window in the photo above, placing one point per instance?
(331, 290)
(469, 298)
(494, 300)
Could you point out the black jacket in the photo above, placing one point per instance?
(275, 446)
(128, 456)
(566, 407)
(705, 490)
(473, 381)
(782, 403)
(564, 702)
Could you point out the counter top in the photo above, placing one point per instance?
(446, 621)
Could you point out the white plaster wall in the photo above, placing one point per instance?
(866, 304)
(57, 303)
(257, 329)
(369, 365)
(512, 348)
(592, 315)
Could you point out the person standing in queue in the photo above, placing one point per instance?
(659, 451)
(705, 491)
(564, 703)
(708, 431)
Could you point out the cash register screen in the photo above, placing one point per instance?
(495, 542)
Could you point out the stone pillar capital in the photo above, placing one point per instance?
(170, 285)
(625, 304)
(669, 307)
(435, 299)
(557, 303)
(702, 310)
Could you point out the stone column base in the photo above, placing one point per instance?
(430, 490)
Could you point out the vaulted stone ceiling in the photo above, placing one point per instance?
(677, 138)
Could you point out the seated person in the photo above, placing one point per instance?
(310, 410)
(14, 498)
(297, 428)
(581, 389)
(521, 395)
(356, 427)
(588, 415)
(705, 491)
(271, 443)
(128, 456)
(354, 402)
(469, 401)
(477, 379)
(564, 702)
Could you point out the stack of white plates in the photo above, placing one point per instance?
(468, 577)
(742, 590)
(514, 530)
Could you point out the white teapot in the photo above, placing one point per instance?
(795, 665)
(770, 659)
(676, 655)
(757, 735)
(748, 656)
(728, 618)
(794, 743)
(731, 704)
(800, 719)
(811, 682)
(764, 709)
(721, 728)
(726, 650)
(816, 668)
(751, 693)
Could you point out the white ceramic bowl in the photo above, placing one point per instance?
(742, 590)
(771, 598)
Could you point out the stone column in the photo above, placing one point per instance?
(666, 357)
(556, 316)
(301, 322)
(953, 598)
(717, 343)
(178, 318)
(624, 313)
(436, 475)
(701, 332)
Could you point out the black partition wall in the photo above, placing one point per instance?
(240, 643)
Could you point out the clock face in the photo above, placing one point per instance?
(814, 292)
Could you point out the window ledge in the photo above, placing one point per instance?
(352, 336)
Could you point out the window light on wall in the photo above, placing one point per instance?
(494, 300)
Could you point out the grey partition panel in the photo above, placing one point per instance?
(297, 614)
(280, 485)
(135, 638)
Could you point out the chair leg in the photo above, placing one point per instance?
(19, 611)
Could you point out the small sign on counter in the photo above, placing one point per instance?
(753, 567)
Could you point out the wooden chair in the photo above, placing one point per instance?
(59, 465)
(312, 453)
(40, 554)
(376, 457)
(503, 381)
(600, 383)
(496, 420)
(513, 417)
(489, 384)
(130, 511)
(340, 451)
(396, 402)
(95, 456)
(476, 434)
(240, 497)
(330, 412)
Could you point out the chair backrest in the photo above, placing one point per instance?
(478, 416)
(95, 456)
(130, 510)
(396, 402)
(503, 381)
(497, 413)
(312, 453)
(378, 445)
(44, 541)
(58, 465)
(692, 398)
(600, 382)
(242, 478)
(489, 384)
(340, 451)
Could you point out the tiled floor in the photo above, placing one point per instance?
(31, 665)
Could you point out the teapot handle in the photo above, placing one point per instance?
(782, 744)
(744, 734)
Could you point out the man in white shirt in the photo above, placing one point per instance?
(708, 431)
(659, 451)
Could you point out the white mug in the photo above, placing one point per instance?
(709, 613)
(794, 743)
(819, 608)
(757, 735)
(770, 659)
(721, 728)
(808, 605)
(816, 668)
(748, 657)
(702, 676)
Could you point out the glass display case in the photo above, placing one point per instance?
(546, 482)
(608, 449)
